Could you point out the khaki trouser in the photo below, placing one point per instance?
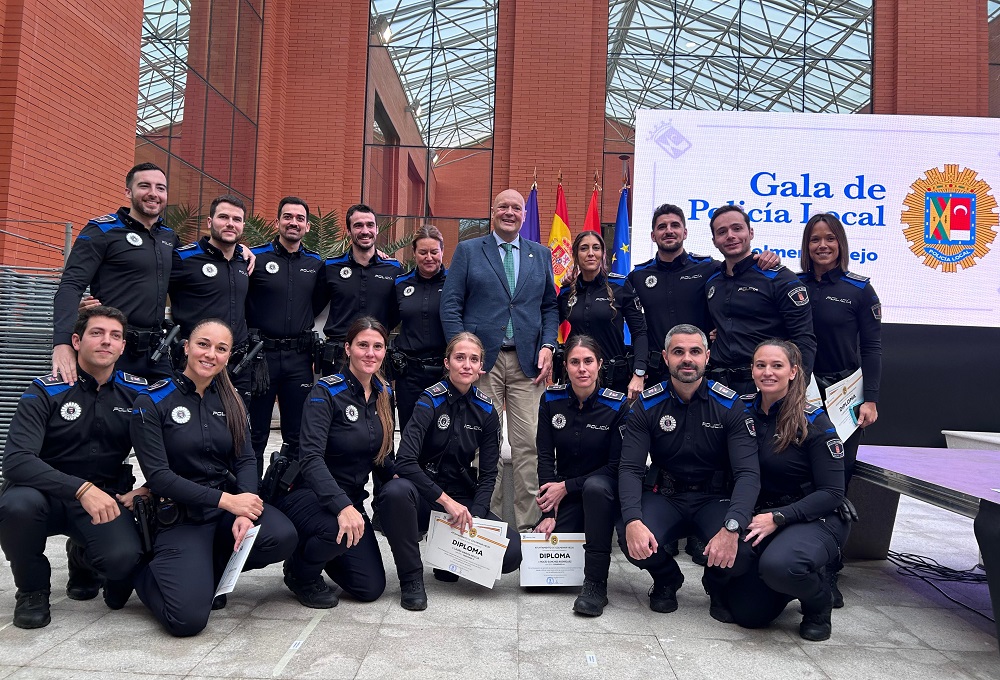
(516, 398)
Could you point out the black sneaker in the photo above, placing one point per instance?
(315, 594)
(117, 593)
(84, 583)
(593, 598)
(445, 575)
(31, 610)
(718, 609)
(219, 603)
(412, 595)
(816, 627)
(696, 549)
(663, 597)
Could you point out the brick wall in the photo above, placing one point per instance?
(69, 74)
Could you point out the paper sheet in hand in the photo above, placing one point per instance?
(236, 562)
(841, 398)
(476, 555)
(556, 561)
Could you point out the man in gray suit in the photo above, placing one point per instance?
(501, 288)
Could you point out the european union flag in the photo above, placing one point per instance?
(532, 227)
(621, 259)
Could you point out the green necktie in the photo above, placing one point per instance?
(508, 268)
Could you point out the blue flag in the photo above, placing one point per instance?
(532, 227)
(621, 258)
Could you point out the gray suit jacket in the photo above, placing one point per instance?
(476, 298)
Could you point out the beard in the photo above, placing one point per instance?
(675, 372)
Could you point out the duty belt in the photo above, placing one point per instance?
(769, 502)
(728, 374)
(140, 340)
(298, 343)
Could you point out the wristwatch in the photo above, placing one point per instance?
(779, 519)
(732, 526)
(641, 372)
(549, 347)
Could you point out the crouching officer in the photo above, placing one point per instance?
(286, 293)
(66, 471)
(579, 444)
(697, 433)
(436, 452)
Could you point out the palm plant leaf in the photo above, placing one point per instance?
(184, 221)
(258, 230)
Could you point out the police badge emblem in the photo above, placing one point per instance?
(70, 411)
(650, 281)
(750, 427)
(559, 421)
(711, 292)
(209, 270)
(668, 423)
(444, 421)
(408, 291)
(836, 448)
(345, 272)
(134, 238)
(272, 267)
(351, 412)
(180, 415)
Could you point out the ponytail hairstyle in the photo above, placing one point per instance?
(574, 271)
(383, 403)
(791, 425)
(236, 412)
(587, 343)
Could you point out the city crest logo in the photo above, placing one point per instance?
(949, 218)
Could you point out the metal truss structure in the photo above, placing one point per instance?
(162, 64)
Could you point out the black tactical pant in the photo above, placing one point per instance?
(291, 379)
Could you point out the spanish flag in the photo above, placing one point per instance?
(560, 243)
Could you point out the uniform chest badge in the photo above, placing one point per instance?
(180, 415)
(750, 427)
(272, 267)
(134, 238)
(444, 421)
(711, 292)
(70, 411)
(668, 423)
(559, 421)
(650, 281)
(209, 270)
(408, 291)
(351, 413)
(345, 272)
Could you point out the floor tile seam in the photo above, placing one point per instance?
(63, 640)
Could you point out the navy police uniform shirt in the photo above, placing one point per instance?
(753, 305)
(62, 435)
(184, 447)
(600, 309)
(812, 472)
(574, 441)
(446, 429)
(360, 290)
(418, 301)
(341, 436)
(690, 442)
(126, 265)
(847, 318)
(287, 290)
(205, 285)
(672, 293)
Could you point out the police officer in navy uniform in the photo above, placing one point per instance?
(66, 471)
(287, 291)
(436, 465)
(125, 258)
(359, 283)
(596, 304)
(704, 475)
(193, 444)
(579, 445)
(418, 350)
(796, 528)
(209, 280)
(847, 317)
(347, 434)
(749, 303)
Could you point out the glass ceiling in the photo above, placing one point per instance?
(162, 64)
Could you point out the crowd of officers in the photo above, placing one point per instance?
(677, 411)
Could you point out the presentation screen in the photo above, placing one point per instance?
(916, 195)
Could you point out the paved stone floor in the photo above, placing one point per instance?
(891, 627)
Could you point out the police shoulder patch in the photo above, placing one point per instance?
(556, 388)
(104, 219)
(47, 380)
(748, 398)
(613, 275)
(609, 393)
(835, 447)
(726, 392)
(437, 389)
(856, 277)
(159, 384)
(812, 408)
(698, 258)
(190, 246)
(133, 379)
(482, 395)
(332, 379)
(653, 391)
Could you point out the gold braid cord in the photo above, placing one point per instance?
(914, 215)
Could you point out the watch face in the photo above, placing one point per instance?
(732, 525)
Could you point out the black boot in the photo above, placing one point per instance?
(412, 595)
(84, 583)
(593, 598)
(117, 593)
(219, 602)
(816, 613)
(312, 593)
(832, 576)
(718, 608)
(663, 594)
(31, 610)
(671, 549)
(694, 547)
(445, 576)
